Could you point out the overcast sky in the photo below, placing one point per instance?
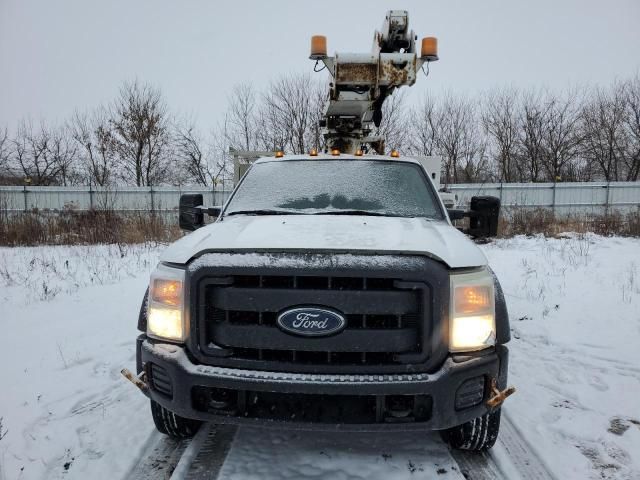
(61, 55)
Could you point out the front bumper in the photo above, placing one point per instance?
(437, 391)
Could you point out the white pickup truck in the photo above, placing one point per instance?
(331, 292)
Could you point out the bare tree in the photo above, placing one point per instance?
(534, 117)
(500, 120)
(452, 119)
(31, 154)
(424, 121)
(4, 145)
(561, 137)
(221, 161)
(7, 172)
(632, 124)
(474, 164)
(272, 135)
(94, 134)
(460, 141)
(4, 153)
(62, 151)
(141, 122)
(394, 125)
(192, 154)
(288, 115)
(319, 98)
(241, 117)
(603, 131)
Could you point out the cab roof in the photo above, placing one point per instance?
(342, 156)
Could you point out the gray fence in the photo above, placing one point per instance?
(125, 199)
(563, 198)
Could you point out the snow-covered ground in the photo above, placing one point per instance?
(574, 306)
(67, 322)
(67, 327)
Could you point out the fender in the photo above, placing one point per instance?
(503, 330)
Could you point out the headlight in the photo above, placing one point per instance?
(473, 324)
(165, 314)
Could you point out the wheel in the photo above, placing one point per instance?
(171, 424)
(475, 435)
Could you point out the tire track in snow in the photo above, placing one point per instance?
(203, 457)
(291, 454)
(477, 466)
(191, 452)
(200, 458)
(519, 453)
(159, 458)
(210, 456)
(511, 458)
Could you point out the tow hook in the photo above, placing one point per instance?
(497, 396)
(138, 381)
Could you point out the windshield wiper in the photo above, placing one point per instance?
(326, 212)
(262, 212)
(357, 212)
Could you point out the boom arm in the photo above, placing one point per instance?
(362, 82)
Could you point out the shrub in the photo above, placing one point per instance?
(71, 227)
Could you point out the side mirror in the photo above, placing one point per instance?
(191, 216)
(483, 216)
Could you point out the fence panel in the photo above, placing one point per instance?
(563, 198)
(84, 198)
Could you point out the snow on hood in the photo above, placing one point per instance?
(330, 233)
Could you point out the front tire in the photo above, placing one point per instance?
(171, 424)
(476, 435)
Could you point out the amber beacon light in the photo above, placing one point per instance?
(429, 51)
(318, 47)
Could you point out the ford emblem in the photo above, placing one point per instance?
(311, 321)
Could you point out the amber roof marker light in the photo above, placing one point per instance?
(279, 154)
(335, 152)
(359, 153)
(313, 152)
(395, 154)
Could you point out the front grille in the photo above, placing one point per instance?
(385, 320)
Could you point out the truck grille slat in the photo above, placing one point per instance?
(350, 340)
(264, 299)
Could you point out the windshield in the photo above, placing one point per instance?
(349, 187)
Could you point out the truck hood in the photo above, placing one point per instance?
(330, 233)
